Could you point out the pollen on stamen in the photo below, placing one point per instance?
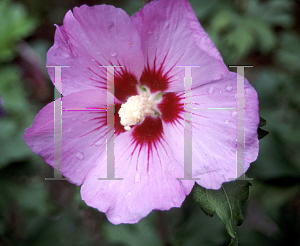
(136, 109)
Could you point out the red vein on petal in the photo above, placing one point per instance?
(171, 107)
(155, 79)
(147, 134)
(125, 84)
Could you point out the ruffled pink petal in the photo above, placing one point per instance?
(171, 35)
(83, 134)
(214, 132)
(94, 36)
(149, 181)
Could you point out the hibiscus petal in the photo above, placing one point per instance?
(214, 132)
(93, 36)
(146, 185)
(83, 133)
(171, 35)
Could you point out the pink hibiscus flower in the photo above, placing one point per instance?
(149, 108)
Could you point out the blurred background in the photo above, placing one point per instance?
(262, 33)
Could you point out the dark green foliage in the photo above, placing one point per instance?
(225, 202)
(261, 132)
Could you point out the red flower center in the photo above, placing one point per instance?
(149, 132)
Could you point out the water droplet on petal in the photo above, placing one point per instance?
(80, 156)
(137, 178)
(171, 167)
(68, 130)
(155, 38)
(117, 219)
(226, 122)
(248, 91)
(229, 88)
(176, 201)
(98, 52)
(211, 90)
(234, 114)
(150, 32)
(93, 60)
(128, 194)
(113, 53)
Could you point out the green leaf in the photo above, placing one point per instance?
(263, 33)
(275, 12)
(262, 121)
(262, 133)
(225, 202)
(234, 242)
(15, 25)
(19, 116)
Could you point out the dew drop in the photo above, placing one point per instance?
(113, 53)
(98, 52)
(211, 90)
(176, 201)
(128, 194)
(228, 88)
(248, 91)
(150, 32)
(93, 60)
(117, 219)
(234, 114)
(80, 156)
(137, 178)
(171, 167)
(226, 122)
(68, 130)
